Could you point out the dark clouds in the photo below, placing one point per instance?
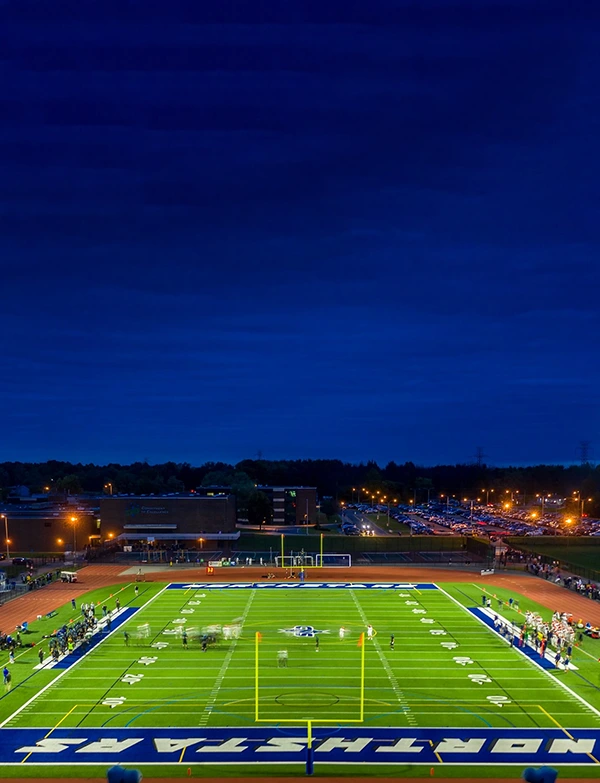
(365, 230)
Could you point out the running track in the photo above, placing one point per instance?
(56, 594)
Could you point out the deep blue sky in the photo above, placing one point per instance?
(354, 229)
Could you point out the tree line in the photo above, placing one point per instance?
(333, 478)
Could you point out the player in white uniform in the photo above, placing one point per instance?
(342, 632)
(369, 632)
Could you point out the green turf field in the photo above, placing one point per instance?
(422, 682)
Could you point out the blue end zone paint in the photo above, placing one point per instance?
(301, 585)
(544, 663)
(99, 637)
(272, 745)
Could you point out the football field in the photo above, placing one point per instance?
(445, 668)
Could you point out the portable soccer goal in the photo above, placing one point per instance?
(329, 560)
(294, 561)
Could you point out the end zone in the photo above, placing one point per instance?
(301, 585)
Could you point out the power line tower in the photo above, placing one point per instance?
(480, 456)
(585, 451)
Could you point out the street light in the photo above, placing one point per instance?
(74, 521)
(6, 538)
(487, 495)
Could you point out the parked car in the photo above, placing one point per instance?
(22, 561)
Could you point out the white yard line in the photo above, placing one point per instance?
(388, 669)
(555, 680)
(66, 671)
(212, 699)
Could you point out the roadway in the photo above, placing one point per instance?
(359, 519)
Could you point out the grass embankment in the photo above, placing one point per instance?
(580, 551)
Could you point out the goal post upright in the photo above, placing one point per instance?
(362, 677)
(256, 643)
(321, 550)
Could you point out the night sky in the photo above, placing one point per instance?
(364, 229)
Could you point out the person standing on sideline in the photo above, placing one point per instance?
(137, 591)
(73, 604)
(7, 678)
(41, 656)
(11, 656)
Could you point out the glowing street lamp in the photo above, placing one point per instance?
(74, 522)
(6, 538)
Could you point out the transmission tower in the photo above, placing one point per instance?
(479, 456)
(585, 451)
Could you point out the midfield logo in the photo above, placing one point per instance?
(302, 630)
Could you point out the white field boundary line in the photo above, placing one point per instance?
(386, 666)
(466, 765)
(67, 670)
(579, 698)
(548, 655)
(578, 649)
(212, 699)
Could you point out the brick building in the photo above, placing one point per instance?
(31, 531)
(291, 505)
(174, 519)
